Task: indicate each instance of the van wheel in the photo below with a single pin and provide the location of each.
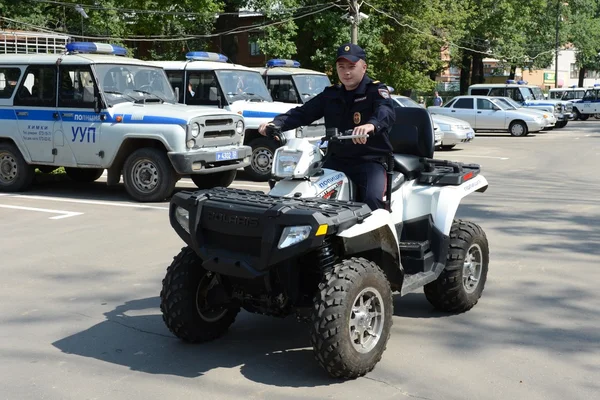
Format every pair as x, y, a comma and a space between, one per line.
518, 128
148, 175
263, 151
15, 174
84, 175
217, 179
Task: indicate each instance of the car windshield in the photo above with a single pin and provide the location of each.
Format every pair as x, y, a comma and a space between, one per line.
243, 85
537, 93
126, 83
310, 85
407, 102
508, 103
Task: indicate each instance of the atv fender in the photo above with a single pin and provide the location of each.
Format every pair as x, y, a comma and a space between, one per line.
440, 201
375, 238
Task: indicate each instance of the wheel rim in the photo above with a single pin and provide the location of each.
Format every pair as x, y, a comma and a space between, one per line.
8, 168
262, 160
207, 312
144, 175
518, 129
366, 320
472, 268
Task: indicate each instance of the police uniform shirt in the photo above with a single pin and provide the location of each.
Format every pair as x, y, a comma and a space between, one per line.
369, 103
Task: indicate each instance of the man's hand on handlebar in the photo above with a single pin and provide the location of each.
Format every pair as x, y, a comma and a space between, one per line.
362, 130
262, 129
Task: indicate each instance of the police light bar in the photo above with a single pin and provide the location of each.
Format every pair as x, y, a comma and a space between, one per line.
278, 62
205, 56
596, 84
521, 82
95, 48
573, 86
511, 81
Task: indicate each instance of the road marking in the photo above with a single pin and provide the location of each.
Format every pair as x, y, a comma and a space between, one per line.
94, 202
63, 214
497, 158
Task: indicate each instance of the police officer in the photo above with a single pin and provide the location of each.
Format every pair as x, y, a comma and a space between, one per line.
358, 103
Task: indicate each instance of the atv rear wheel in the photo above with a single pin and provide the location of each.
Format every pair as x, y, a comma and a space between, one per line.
185, 298
459, 286
351, 318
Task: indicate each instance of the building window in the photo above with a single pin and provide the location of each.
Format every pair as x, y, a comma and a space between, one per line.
574, 71
253, 44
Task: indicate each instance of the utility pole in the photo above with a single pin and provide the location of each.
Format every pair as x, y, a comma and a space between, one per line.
557, 43
355, 18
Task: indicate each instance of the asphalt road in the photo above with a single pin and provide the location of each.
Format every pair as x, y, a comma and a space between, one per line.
82, 266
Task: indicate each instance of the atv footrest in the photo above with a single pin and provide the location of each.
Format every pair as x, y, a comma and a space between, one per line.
414, 249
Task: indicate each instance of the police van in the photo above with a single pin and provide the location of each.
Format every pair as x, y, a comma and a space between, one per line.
573, 94
528, 96
589, 105
92, 108
208, 79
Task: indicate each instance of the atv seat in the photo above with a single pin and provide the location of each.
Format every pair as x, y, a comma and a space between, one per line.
411, 138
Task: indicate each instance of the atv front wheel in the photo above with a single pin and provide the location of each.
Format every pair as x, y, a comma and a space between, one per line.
459, 286
351, 318
185, 300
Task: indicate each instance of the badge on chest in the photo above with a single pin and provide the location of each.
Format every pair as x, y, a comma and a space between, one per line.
356, 118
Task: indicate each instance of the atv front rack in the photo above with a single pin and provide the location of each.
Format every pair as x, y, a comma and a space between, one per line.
443, 172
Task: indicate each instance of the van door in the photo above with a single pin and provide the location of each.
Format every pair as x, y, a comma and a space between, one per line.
36, 113
80, 131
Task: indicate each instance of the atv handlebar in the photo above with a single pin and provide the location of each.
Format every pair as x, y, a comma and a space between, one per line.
334, 134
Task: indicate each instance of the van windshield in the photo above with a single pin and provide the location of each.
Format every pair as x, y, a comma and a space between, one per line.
133, 83
310, 85
243, 85
537, 93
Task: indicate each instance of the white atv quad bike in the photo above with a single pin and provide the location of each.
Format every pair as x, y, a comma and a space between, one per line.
307, 248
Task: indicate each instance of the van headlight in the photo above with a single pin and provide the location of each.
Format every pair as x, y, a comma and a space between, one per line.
195, 131
183, 218
292, 235
239, 127
286, 162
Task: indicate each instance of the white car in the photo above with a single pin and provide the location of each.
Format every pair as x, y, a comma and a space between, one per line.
486, 113
548, 117
449, 131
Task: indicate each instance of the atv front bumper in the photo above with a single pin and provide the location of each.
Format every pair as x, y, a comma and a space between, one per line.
241, 233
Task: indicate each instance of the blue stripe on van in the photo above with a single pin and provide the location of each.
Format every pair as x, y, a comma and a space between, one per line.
84, 116
259, 114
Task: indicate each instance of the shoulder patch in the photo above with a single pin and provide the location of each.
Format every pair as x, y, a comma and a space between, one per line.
376, 81
384, 93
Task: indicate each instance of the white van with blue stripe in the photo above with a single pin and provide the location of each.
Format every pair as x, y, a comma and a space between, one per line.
92, 109
208, 79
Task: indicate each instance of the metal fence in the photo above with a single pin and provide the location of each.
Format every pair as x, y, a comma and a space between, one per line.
15, 42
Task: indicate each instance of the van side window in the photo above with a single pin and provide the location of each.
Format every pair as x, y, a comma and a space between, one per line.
497, 92
38, 87
282, 89
202, 89
9, 77
479, 92
76, 87
176, 81
590, 95
515, 94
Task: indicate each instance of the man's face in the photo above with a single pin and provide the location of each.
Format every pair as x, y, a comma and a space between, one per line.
351, 73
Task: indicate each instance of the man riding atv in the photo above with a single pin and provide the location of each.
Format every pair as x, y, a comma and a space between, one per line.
358, 103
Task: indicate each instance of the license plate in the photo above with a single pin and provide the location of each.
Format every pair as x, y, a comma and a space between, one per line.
227, 155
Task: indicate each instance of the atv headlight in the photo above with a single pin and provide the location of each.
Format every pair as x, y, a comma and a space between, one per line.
183, 218
292, 235
286, 162
195, 131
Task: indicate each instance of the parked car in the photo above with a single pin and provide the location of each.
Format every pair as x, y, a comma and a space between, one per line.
511, 104
451, 130
528, 96
486, 113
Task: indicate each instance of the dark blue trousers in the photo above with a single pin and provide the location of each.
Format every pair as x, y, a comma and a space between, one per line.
368, 176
